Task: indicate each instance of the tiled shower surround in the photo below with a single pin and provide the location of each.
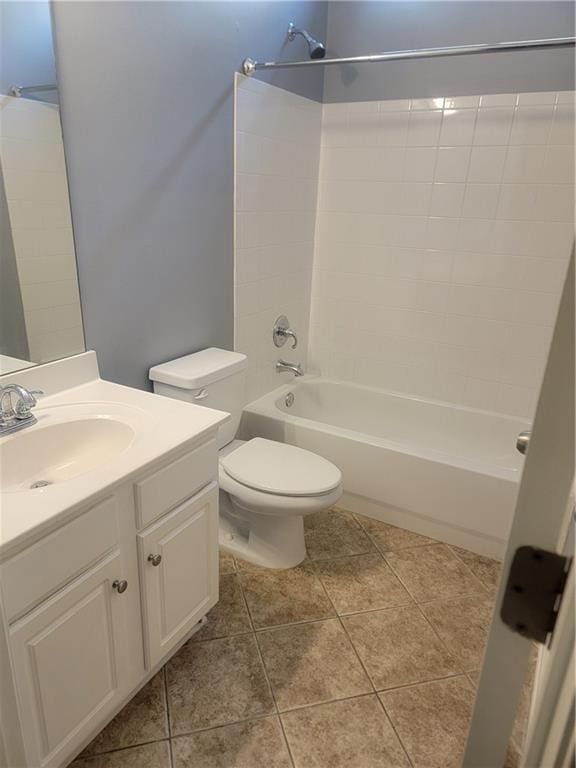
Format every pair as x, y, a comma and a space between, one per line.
443, 232
277, 156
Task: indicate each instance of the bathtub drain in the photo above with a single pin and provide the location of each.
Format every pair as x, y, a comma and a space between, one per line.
40, 484
289, 400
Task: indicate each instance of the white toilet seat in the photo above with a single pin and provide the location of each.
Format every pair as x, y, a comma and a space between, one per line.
270, 504
267, 502
280, 469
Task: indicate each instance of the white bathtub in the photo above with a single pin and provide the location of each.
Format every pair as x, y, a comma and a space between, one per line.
444, 471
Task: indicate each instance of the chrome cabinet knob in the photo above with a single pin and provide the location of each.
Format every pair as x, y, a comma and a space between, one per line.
155, 559
120, 585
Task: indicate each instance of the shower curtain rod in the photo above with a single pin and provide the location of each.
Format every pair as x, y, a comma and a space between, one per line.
249, 66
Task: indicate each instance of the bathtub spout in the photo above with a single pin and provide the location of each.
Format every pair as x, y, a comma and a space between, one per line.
296, 368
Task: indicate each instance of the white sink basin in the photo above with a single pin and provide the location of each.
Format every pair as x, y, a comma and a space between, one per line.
66, 443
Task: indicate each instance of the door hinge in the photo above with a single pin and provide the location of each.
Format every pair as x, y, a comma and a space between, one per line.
534, 592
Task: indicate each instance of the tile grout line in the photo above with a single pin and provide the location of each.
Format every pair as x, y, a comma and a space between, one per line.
417, 683
375, 693
168, 722
400, 741
447, 597
89, 758
245, 601
206, 729
274, 700
348, 636
488, 587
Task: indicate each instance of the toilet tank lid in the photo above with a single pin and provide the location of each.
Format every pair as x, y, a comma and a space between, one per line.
199, 369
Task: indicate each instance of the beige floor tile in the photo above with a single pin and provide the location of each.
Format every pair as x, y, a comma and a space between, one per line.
432, 720
361, 583
389, 537
398, 647
433, 572
285, 597
311, 663
246, 565
229, 616
354, 733
334, 533
484, 568
463, 625
156, 755
226, 562
253, 744
143, 719
215, 683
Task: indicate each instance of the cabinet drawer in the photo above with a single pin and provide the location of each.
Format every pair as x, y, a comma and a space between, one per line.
178, 559
162, 491
49, 564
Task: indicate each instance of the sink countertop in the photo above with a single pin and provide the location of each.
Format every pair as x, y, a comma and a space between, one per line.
163, 425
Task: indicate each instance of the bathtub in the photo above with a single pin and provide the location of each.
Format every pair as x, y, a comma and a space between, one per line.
444, 471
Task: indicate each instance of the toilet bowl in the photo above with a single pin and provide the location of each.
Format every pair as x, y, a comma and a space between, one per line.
266, 487
266, 490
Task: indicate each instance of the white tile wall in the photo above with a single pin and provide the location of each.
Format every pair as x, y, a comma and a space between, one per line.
277, 156
443, 232
33, 167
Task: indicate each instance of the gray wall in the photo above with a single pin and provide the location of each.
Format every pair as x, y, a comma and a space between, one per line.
147, 109
13, 340
360, 27
26, 52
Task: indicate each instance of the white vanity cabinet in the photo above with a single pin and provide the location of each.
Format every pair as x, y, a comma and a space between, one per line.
96, 606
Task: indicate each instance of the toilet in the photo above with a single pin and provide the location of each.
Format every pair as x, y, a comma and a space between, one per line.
266, 487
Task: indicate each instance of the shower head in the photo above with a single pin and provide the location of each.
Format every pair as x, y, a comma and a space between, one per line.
317, 49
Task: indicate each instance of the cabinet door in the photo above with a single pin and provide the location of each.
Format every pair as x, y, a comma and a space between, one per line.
69, 655
179, 572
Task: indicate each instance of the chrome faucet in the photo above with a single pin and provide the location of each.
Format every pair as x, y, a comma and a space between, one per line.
16, 403
295, 368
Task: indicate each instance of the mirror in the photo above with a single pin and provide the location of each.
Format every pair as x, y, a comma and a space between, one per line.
40, 314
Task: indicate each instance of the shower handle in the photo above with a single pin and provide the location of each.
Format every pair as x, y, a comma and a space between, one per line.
282, 331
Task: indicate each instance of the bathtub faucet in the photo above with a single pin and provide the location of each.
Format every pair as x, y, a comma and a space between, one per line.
296, 368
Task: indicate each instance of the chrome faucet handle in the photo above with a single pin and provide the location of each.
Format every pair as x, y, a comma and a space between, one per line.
25, 400
24, 405
282, 331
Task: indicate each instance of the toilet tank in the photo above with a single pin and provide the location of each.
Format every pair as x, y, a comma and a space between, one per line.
212, 377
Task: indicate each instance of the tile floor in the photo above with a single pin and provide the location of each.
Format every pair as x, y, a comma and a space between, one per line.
366, 655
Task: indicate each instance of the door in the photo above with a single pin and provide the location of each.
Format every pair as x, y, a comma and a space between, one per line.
178, 559
550, 739
69, 657
539, 521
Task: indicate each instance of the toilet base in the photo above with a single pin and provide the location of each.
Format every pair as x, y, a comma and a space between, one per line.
270, 541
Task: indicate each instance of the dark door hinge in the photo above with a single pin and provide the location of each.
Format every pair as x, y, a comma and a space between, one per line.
534, 592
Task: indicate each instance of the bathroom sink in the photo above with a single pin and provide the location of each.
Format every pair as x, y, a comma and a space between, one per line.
61, 447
